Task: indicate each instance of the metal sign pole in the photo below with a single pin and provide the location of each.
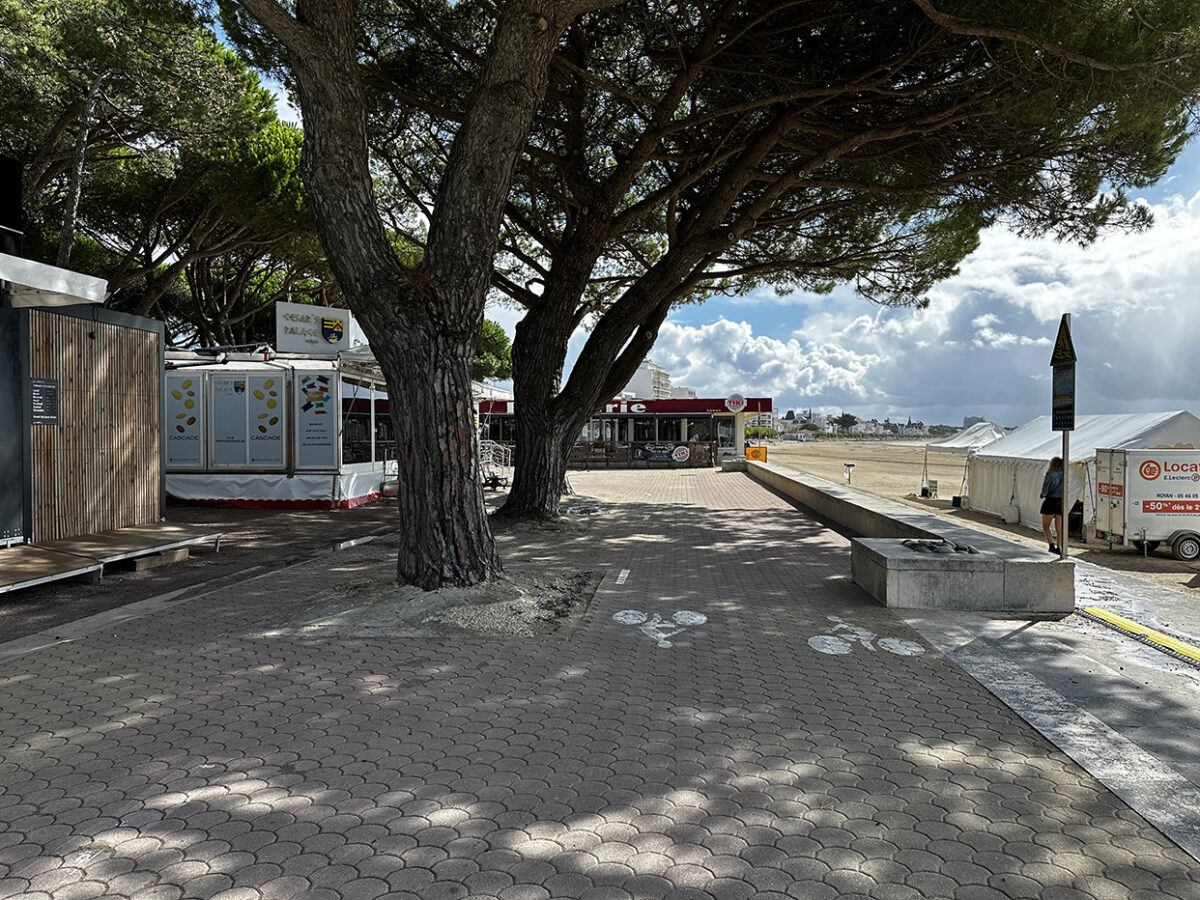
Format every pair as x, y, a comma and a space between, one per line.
1062, 408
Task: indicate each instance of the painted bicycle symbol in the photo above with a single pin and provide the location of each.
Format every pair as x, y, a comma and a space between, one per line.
657, 628
847, 635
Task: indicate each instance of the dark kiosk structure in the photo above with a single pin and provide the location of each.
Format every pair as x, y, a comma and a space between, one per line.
80, 422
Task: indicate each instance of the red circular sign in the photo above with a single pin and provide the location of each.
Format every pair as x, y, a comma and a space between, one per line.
1149, 470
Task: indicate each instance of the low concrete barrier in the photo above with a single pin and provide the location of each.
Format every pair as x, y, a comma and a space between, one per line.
888, 561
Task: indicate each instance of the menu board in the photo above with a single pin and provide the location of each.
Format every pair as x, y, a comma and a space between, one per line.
43, 401
185, 421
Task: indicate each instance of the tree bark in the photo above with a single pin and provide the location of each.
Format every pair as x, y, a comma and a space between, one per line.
446, 539
544, 435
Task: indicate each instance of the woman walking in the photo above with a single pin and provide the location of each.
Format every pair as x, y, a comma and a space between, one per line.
1052, 503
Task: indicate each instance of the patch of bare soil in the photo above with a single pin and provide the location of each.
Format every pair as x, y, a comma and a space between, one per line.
520, 606
525, 602
533, 598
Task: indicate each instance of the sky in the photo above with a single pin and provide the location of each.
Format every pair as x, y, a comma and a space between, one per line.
983, 346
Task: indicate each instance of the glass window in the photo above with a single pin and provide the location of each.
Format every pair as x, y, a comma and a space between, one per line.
724, 430
502, 429
385, 437
356, 438
699, 429
643, 429
669, 429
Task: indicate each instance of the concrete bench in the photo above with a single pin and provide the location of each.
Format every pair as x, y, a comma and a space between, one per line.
917, 574
889, 562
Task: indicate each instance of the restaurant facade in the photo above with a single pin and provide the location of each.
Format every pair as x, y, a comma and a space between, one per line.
631, 433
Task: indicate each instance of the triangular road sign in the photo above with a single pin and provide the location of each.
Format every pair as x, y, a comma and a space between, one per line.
1064, 350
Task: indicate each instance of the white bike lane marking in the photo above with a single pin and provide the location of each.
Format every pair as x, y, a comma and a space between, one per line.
657, 628
846, 635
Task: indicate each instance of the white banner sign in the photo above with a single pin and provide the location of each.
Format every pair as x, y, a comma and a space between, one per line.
185, 421
316, 330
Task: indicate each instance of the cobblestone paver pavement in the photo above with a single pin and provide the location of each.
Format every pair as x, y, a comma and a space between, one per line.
688, 742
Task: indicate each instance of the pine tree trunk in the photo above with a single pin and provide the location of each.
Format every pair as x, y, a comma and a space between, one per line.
422, 324
445, 537
539, 467
544, 435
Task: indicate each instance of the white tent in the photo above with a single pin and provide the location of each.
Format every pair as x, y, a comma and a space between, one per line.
1008, 472
978, 435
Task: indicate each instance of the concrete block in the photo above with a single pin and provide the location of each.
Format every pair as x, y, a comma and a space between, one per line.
1046, 585
165, 558
897, 575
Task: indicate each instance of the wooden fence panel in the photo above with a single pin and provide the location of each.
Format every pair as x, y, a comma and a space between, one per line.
99, 468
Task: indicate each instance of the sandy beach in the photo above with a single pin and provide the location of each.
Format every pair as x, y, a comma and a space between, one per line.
896, 470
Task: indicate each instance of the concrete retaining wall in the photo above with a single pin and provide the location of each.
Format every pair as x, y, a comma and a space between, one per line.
1002, 575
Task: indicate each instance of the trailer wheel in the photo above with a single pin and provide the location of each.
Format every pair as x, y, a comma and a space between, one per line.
1186, 547
1148, 546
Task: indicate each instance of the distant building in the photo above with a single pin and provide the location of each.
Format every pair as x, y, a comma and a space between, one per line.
871, 427
763, 420
683, 393
968, 421
650, 382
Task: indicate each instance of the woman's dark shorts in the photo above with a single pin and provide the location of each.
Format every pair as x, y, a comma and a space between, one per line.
1052, 506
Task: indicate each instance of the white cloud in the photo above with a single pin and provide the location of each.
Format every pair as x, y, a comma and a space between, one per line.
983, 345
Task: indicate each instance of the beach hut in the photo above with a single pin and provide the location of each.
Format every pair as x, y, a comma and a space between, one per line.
1005, 476
969, 439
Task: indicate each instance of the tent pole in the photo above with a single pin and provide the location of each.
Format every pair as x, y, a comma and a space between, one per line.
1062, 538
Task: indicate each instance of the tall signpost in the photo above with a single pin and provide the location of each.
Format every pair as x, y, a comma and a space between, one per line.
1062, 411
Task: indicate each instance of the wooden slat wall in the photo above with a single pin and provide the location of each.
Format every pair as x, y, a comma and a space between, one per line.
99, 467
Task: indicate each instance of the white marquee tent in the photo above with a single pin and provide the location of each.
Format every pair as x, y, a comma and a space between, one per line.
978, 435
1008, 472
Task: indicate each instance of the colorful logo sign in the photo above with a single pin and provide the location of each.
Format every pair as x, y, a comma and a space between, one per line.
1149, 470
735, 403
314, 394
239, 387
332, 329
681, 453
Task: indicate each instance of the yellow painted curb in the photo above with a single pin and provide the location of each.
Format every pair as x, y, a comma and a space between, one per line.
1149, 635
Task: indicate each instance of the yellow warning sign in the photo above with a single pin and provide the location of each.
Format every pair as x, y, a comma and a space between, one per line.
1064, 350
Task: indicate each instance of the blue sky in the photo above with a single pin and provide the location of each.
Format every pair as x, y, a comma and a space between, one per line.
983, 346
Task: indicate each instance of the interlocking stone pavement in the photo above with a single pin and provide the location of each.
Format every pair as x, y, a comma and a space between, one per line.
190, 753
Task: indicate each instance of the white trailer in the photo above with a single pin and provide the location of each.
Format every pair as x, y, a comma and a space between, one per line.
1148, 498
